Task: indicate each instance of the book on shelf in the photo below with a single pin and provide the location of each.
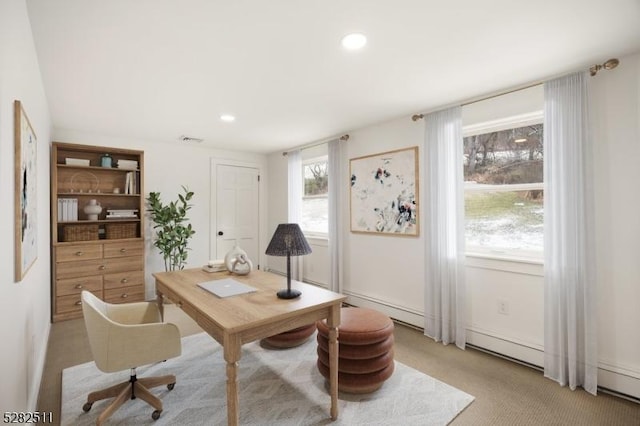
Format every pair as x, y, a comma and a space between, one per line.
67, 209
131, 183
128, 164
122, 214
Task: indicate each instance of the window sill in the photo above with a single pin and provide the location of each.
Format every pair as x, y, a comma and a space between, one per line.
505, 257
505, 263
323, 239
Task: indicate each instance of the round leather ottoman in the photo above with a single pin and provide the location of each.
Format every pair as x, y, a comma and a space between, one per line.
365, 354
291, 338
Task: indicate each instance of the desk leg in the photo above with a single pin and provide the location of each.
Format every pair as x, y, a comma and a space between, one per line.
232, 356
333, 322
160, 303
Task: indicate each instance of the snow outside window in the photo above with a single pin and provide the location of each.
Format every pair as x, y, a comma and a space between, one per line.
504, 208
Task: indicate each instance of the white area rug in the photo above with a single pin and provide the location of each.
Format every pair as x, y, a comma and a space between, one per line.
277, 387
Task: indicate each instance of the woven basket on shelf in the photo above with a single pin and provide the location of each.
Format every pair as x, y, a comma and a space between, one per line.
80, 233
121, 230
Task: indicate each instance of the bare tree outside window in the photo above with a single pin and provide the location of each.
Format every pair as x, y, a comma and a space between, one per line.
315, 202
316, 178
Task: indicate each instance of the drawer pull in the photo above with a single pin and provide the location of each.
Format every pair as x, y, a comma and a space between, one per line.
79, 287
79, 253
102, 267
124, 281
123, 250
79, 303
124, 296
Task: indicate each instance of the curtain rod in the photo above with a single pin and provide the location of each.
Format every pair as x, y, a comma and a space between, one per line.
608, 65
344, 137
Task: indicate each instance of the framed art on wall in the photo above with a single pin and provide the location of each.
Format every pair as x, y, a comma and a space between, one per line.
26, 241
384, 193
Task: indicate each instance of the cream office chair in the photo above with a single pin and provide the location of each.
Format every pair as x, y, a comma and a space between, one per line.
127, 336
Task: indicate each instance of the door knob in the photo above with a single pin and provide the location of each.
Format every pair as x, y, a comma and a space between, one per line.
220, 233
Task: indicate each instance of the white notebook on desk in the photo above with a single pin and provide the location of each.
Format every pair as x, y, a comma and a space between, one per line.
226, 287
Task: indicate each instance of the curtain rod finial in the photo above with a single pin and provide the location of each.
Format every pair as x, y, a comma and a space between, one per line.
416, 117
608, 65
344, 137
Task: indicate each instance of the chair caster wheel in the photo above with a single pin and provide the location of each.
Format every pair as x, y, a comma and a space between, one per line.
87, 406
170, 386
156, 414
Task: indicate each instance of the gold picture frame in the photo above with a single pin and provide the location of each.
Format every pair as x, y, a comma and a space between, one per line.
25, 201
384, 193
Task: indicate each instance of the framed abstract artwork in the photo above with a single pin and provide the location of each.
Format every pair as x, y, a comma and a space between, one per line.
25, 220
384, 193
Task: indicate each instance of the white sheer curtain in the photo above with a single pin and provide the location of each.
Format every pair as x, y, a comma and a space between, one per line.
295, 203
570, 349
336, 222
444, 236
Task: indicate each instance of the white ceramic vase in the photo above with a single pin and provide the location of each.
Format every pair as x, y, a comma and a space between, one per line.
92, 210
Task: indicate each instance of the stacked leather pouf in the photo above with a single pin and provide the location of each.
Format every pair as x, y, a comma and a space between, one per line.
365, 355
291, 338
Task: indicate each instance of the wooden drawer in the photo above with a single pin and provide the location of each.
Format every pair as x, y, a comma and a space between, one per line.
71, 303
124, 294
76, 285
123, 279
123, 264
81, 268
124, 248
77, 252
185, 306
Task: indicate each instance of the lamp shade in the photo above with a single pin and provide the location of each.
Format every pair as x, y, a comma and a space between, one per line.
288, 240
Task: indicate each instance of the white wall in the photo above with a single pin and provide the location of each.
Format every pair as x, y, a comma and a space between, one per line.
386, 268
277, 205
168, 167
24, 306
615, 110
387, 272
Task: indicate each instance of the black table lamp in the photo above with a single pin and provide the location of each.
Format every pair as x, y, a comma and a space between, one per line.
288, 240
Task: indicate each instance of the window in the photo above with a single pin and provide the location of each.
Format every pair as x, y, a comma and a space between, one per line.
315, 199
503, 173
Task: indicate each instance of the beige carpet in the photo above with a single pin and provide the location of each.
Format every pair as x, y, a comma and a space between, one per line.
277, 387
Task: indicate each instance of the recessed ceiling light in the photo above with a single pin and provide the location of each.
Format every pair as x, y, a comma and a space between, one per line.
227, 117
354, 41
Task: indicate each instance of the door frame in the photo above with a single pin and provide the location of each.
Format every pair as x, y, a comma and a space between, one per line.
213, 220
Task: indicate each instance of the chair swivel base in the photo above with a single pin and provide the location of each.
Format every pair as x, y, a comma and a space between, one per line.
132, 389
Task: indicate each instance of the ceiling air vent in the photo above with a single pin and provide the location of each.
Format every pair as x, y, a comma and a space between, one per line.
184, 138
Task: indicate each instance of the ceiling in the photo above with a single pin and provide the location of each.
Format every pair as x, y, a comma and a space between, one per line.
158, 69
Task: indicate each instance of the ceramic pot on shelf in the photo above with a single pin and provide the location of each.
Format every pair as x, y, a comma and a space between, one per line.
92, 210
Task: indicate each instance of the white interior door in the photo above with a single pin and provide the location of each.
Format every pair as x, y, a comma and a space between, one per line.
237, 214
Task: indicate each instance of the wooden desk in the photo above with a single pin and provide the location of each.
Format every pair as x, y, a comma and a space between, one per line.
240, 319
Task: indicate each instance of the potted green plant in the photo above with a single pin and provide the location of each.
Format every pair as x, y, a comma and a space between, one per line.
172, 228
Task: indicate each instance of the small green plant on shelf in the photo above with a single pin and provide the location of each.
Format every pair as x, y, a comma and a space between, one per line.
172, 228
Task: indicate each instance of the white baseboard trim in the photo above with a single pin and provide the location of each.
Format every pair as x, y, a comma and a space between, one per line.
622, 382
400, 313
304, 279
493, 342
275, 271
32, 401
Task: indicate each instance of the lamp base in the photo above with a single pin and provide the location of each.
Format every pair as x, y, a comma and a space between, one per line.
289, 293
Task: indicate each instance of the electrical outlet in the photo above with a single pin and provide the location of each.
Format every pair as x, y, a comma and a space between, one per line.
503, 307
